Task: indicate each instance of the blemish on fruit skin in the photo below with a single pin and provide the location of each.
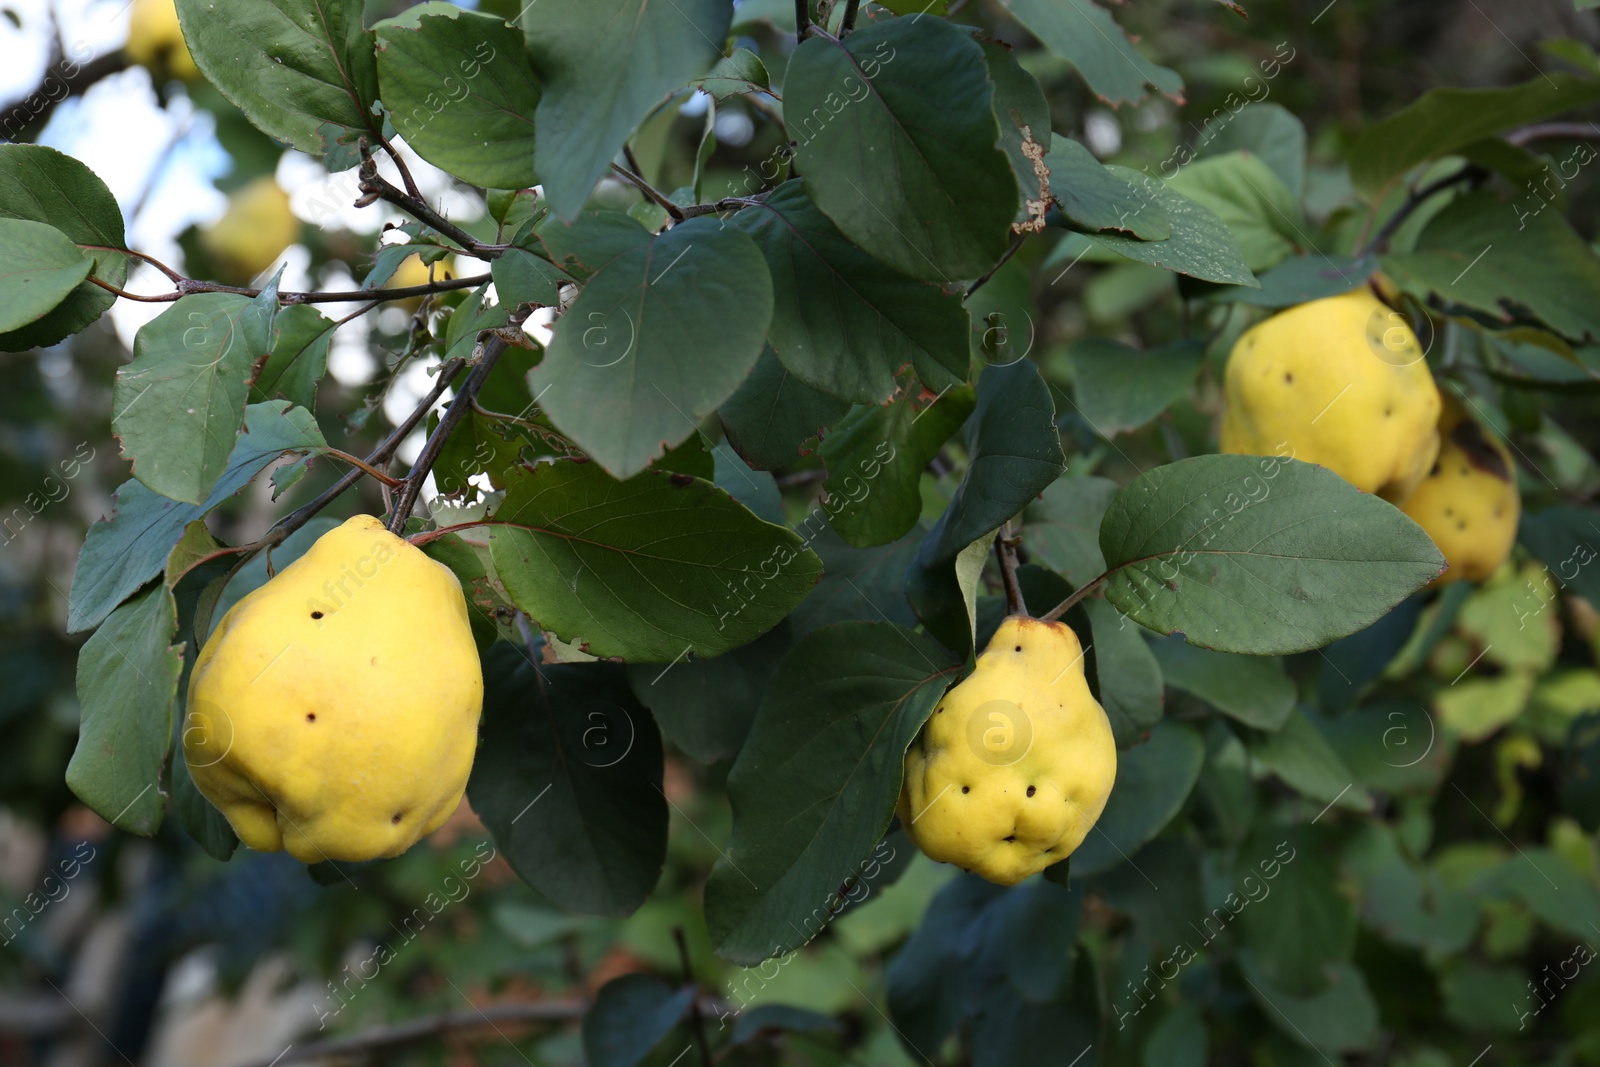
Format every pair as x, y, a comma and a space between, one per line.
1032, 790
316, 614
966, 789
374, 661
311, 716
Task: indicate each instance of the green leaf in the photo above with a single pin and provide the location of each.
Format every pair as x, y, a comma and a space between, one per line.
124, 552
1120, 388
875, 458
40, 184
622, 568
1242, 191
1153, 781
815, 786
1309, 923
127, 681
1479, 253
631, 1015
1014, 453
1200, 245
604, 64
40, 268
298, 359
842, 322
521, 277
772, 414
741, 71
1023, 114
1128, 674
1341, 1018
657, 339
929, 978
1093, 197
568, 780
935, 196
1580, 772
1268, 131
706, 706
861, 584
1085, 35
460, 89
1300, 279
302, 71
585, 245
177, 408
1392, 744
1062, 527
1443, 120
1252, 689
1178, 1040
1307, 763
1258, 555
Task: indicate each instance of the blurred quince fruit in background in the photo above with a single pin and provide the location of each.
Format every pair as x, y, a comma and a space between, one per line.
1016, 762
155, 41
334, 711
254, 231
1342, 382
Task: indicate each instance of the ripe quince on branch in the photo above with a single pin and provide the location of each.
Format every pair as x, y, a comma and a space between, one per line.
1015, 764
255, 229
1468, 503
1342, 382
333, 712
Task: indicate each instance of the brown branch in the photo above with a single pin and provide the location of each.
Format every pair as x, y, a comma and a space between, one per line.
1005, 549
1005, 257
491, 350
651, 192
32, 111
1067, 605
1415, 199
362, 465
376, 187
425, 1027
189, 285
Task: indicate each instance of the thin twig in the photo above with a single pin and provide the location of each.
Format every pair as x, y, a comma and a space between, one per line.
802, 18
697, 1021
851, 7
1005, 257
376, 187
152, 260
424, 1027
362, 465
653, 194
188, 286
1005, 549
1555, 131
1067, 605
492, 348
732, 203
1380, 240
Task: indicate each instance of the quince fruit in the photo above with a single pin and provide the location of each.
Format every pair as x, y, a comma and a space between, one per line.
1342, 382
412, 271
155, 41
1468, 503
334, 711
255, 229
1015, 764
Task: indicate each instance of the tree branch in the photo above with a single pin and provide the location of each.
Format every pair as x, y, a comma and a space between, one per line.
802, 18
1555, 131
1067, 605
1415, 199
186, 286
376, 187
1005, 257
1005, 549
851, 8
490, 353
651, 192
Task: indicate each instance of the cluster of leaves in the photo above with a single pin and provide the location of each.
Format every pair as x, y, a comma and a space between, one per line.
1250, 621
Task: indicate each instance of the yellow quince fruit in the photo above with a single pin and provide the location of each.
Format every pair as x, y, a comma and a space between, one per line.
1342, 382
1015, 764
1468, 503
412, 271
155, 41
255, 229
334, 711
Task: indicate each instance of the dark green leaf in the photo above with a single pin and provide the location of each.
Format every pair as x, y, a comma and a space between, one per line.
779, 1018
1200, 244
1300, 279
1302, 757
1153, 781
520, 277
299, 357
1093, 197
1443, 120
1497, 258
303, 71
935, 196
459, 88
1309, 924
815, 786
568, 779
123, 553
585, 245
1247, 196
861, 584
631, 1016
1580, 772
842, 322
1564, 538
652, 343
741, 71
706, 706
928, 979
1085, 35
604, 64
178, 407
1252, 689
1023, 115
1120, 388
1342, 1018
622, 568
1128, 673
127, 681
1267, 130
1258, 555
1392, 744
773, 414
41, 267
1062, 528
876, 457
40, 184
1178, 1040
756, 490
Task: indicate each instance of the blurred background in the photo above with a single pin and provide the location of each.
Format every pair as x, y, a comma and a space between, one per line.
121, 950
